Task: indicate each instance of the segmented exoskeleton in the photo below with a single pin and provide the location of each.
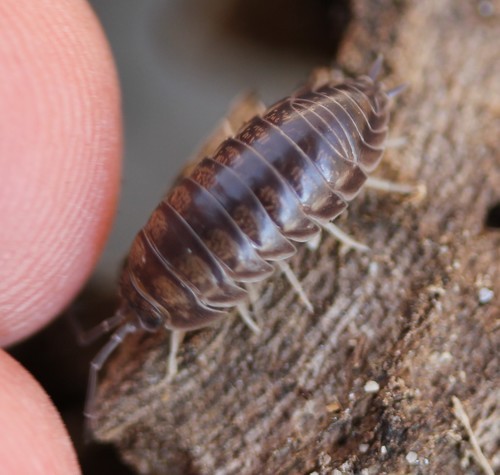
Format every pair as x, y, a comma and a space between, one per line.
282, 176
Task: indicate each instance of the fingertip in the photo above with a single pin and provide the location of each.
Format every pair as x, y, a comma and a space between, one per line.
60, 157
33, 439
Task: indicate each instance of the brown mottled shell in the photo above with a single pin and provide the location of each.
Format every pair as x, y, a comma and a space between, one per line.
282, 175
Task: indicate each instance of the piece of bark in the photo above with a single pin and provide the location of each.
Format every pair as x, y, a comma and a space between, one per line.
412, 315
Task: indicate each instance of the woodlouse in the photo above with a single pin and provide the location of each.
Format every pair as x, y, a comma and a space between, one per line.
285, 174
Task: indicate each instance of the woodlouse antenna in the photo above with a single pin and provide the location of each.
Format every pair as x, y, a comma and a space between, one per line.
376, 67
98, 362
396, 91
87, 337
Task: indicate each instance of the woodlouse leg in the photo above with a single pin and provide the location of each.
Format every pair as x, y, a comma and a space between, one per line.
98, 362
386, 185
294, 282
253, 293
245, 315
243, 108
320, 77
344, 238
176, 337
396, 142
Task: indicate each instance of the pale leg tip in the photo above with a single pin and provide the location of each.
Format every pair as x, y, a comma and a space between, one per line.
176, 337
171, 371
396, 142
420, 192
245, 315
344, 238
416, 192
309, 306
296, 285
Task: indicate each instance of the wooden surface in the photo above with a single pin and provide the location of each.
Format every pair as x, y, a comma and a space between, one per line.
408, 315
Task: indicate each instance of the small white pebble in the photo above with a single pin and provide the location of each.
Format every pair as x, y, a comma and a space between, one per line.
314, 473
383, 450
336, 472
371, 387
412, 458
426, 461
435, 289
445, 357
485, 295
363, 448
373, 268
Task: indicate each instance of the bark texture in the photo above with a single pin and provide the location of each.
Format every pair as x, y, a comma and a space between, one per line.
414, 315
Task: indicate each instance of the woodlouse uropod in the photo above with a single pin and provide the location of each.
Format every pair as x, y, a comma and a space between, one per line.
285, 174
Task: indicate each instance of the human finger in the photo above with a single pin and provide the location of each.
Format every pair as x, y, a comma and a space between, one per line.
60, 150
33, 439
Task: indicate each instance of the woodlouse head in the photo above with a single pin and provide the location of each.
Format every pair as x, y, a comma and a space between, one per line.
138, 308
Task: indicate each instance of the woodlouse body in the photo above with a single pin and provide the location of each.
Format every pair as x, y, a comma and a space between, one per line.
277, 180
285, 174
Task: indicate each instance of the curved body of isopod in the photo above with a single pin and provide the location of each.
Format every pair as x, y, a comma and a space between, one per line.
278, 179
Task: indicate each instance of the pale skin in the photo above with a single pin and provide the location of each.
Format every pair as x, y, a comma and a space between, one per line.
60, 153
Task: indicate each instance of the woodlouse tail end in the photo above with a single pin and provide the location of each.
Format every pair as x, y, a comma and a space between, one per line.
396, 91
376, 67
